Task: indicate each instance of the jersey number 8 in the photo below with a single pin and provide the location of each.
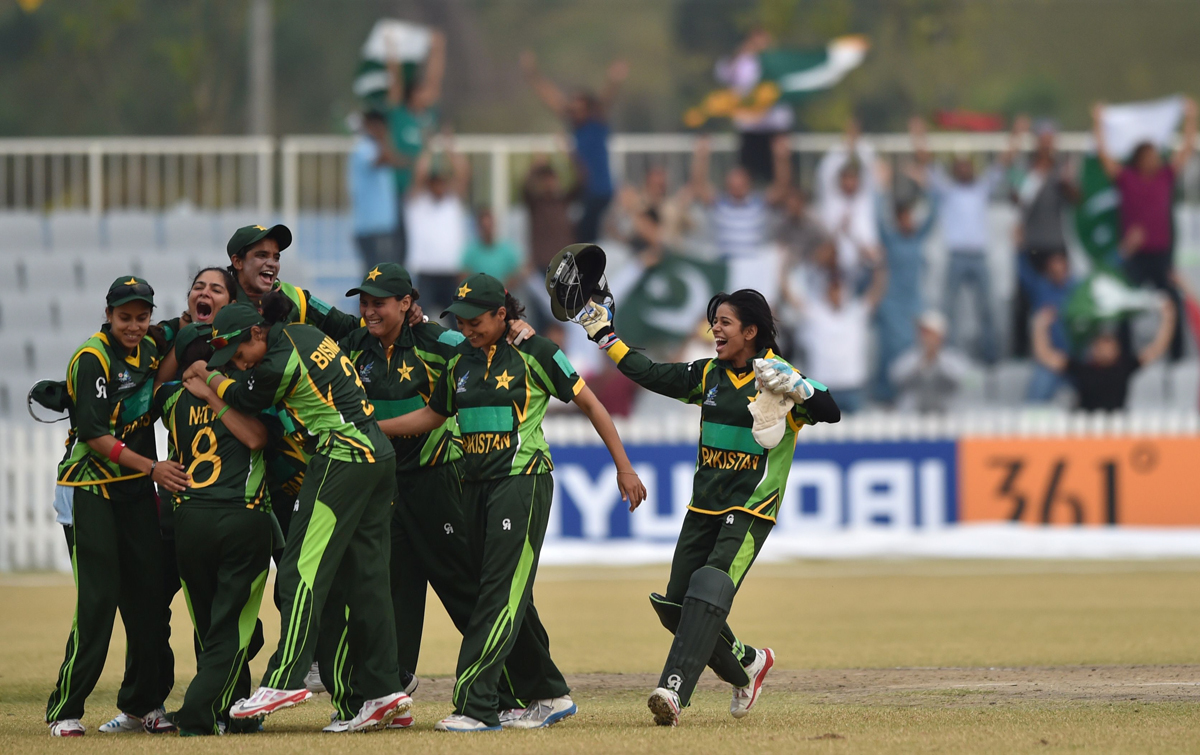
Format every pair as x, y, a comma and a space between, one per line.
209, 455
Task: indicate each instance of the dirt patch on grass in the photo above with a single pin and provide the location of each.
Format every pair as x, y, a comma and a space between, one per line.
938, 687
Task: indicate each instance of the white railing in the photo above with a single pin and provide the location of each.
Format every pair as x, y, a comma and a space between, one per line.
239, 172
29, 455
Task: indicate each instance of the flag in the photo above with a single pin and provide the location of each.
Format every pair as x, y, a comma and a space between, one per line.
1127, 126
1103, 297
1097, 220
409, 43
787, 76
669, 299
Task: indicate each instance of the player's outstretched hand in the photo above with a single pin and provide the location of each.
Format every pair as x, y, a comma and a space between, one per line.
520, 331
172, 476
632, 489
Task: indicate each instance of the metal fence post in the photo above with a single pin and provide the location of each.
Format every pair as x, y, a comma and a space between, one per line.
96, 179
500, 187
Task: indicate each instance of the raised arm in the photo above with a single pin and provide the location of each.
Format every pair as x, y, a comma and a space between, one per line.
631, 487
429, 91
550, 95
616, 74
460, 181
918, 134
1188, 144
698, 181
878, 287
781, 156
1110, 165
1162, 339
1043, 350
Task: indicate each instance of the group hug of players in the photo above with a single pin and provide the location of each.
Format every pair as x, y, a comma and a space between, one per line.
372, 456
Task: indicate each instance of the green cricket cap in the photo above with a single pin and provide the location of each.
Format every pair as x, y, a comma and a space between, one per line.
386, 279
188, 335
252, 234
478, 294
129, 288
230, 328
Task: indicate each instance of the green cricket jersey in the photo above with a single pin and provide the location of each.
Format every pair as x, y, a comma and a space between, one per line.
401, 379
224, 471
732, 470
306, 372
499, 397
112, 392
286, 455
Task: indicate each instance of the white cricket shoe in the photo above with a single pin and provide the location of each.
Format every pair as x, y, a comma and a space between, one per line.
543, 713
156, 722
67, 727
664, 704
266, 701
312, 680
745, 697
336, 725
508, 717
460, 723
122, 724
380, 711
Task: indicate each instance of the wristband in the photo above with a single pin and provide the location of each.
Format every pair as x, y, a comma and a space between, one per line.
208, 380
222, 412
115, 453
153, 464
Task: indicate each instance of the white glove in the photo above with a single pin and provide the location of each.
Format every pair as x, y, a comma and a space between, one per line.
770, 411
779, 377
597, 321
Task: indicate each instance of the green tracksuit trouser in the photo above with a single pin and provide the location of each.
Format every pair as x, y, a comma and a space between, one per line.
115, 556
224, 555
431, 547
728, 542
509, 518
341, 533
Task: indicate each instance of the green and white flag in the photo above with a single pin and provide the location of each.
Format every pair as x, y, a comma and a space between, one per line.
1103, 297
408, 43
669, 300
1097, 222
799, 74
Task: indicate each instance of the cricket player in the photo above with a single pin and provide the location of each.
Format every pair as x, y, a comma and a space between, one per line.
223, 536
498, 394
341, 528
736, 491
105, 501
398, 364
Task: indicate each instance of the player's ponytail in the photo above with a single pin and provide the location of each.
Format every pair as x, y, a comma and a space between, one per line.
276, 307
513, 309
751, 308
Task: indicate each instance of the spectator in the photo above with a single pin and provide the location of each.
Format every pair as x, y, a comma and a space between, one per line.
586, 114
634, 202
437, 227
836, 331
904, 251
804, 240
1147, 189
740, 216
373, 192
1101, 380
410, 119
756, 132
1048, 290
549, 206
498, 258
928, 374
846, 207
1043, 191
963, 220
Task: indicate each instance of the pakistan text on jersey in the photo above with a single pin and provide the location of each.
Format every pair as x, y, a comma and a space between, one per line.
735, 460
482, 443
145, 420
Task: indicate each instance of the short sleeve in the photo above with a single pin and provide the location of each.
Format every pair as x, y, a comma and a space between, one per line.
89, 389
557, 375
444, 392
162, 397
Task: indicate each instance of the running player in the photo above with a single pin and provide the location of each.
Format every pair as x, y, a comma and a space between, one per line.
398, 364
340, 530
105, 500
223, 533
498, 394
735, 494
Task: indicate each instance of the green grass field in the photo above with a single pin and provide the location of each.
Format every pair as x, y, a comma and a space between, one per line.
873, 656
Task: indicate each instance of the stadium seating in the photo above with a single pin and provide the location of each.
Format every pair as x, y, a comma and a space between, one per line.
77, 232
132, 233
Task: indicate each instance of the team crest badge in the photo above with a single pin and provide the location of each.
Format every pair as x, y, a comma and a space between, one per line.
711, 398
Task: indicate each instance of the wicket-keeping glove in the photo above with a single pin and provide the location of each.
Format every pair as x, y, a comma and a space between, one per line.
597, 321
777, 376
770, 412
